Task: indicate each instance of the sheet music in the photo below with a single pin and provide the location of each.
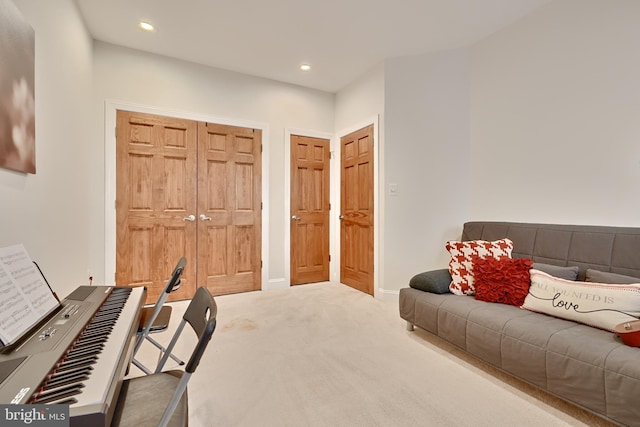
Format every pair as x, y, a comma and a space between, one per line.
25, 298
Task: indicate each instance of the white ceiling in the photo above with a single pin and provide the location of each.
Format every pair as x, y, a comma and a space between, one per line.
341, 39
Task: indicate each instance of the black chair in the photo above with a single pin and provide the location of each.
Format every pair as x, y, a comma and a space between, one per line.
156, 318
160, 399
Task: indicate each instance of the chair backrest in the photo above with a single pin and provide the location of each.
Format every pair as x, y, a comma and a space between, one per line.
201, 316
172, 284
174, 280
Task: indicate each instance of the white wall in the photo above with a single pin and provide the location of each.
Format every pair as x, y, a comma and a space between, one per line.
48, 211
361, 100
555, 108
134, 77
426, 156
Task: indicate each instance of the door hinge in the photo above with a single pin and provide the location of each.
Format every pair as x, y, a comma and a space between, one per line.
329, 258
115, 131
329, 206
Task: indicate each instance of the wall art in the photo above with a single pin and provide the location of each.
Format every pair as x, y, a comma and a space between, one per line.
17, 99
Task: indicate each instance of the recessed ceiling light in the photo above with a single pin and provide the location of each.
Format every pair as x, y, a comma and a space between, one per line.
145, 26
305, 67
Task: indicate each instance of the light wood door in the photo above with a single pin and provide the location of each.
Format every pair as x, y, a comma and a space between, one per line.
310, 207
356, 210
155, 191
229, 208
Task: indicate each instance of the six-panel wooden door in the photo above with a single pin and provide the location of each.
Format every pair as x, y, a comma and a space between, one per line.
356, 210
309, 216
155, 191
229, 208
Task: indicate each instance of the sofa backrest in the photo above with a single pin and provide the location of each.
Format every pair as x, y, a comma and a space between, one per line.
610, 249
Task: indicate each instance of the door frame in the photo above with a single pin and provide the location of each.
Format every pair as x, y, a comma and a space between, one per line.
111, 106
334, 198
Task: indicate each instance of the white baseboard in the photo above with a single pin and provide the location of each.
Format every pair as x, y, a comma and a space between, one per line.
388, 295
274, 284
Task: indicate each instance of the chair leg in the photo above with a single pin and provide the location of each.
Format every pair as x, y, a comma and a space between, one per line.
163, 349
141, 366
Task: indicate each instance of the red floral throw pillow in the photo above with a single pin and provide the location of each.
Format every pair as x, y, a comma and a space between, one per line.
504, 280
460, 266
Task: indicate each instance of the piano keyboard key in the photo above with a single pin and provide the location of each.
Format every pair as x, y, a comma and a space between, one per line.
51, 395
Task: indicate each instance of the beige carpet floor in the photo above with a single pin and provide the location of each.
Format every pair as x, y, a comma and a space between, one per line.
327, 355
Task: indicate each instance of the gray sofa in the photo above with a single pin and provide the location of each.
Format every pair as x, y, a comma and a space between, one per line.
589, 367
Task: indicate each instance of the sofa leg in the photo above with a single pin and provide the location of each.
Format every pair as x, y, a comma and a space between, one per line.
409, 326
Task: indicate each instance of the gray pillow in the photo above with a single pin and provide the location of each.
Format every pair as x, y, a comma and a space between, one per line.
434, 281
609, 278
567, 273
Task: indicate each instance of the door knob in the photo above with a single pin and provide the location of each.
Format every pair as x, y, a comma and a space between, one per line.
341, 217
296, 218
203, 217
189, 218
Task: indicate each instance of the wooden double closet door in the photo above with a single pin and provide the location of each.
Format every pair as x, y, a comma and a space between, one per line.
192, 189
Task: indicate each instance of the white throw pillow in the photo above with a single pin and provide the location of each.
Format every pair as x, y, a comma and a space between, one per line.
595, 304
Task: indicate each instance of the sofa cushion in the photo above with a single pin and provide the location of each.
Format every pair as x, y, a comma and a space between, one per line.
613, 278
569, 273
460, 264
485, 329
595, 304
524, 345
622, 376
576, 360
434, 281
453, 313
503, 280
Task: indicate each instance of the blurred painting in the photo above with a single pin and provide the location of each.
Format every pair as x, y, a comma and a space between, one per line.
17, 102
